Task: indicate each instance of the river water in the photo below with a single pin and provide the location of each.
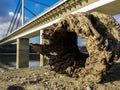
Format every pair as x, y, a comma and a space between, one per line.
10, 59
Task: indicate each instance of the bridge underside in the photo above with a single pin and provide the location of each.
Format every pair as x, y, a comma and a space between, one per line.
111, 8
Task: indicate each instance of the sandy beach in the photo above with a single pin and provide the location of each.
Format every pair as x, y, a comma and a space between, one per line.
42, 78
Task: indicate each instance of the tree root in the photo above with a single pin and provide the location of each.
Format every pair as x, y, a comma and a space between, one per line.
102, 35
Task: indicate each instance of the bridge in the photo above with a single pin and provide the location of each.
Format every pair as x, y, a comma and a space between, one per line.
52, 15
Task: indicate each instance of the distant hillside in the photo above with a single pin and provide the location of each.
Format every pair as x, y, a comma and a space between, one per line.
11, 48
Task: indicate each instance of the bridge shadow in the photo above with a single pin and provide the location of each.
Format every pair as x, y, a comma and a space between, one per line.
113, 74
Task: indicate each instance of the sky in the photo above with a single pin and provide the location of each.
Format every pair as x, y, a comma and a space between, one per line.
7, 8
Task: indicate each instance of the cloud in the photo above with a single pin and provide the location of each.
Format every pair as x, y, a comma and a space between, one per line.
11, 14
3, 29
5, 15
5, 22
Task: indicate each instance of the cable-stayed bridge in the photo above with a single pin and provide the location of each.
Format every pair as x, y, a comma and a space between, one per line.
34, 27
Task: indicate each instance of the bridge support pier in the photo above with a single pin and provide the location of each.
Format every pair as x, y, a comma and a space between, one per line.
22, 56
42, 60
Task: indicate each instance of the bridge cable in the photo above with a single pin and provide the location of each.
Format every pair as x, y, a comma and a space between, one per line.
13, 17
40, 3
16, 16
17, 10
30, 11
17, 25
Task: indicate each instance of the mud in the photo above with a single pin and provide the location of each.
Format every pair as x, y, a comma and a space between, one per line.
102, 35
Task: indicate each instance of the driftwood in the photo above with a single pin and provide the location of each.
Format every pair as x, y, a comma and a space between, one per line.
102, 35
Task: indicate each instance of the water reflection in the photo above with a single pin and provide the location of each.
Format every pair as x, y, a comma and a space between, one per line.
31, 64
8, 60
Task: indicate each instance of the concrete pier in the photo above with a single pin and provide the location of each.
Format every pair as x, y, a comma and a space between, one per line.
22, 53
42, 61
